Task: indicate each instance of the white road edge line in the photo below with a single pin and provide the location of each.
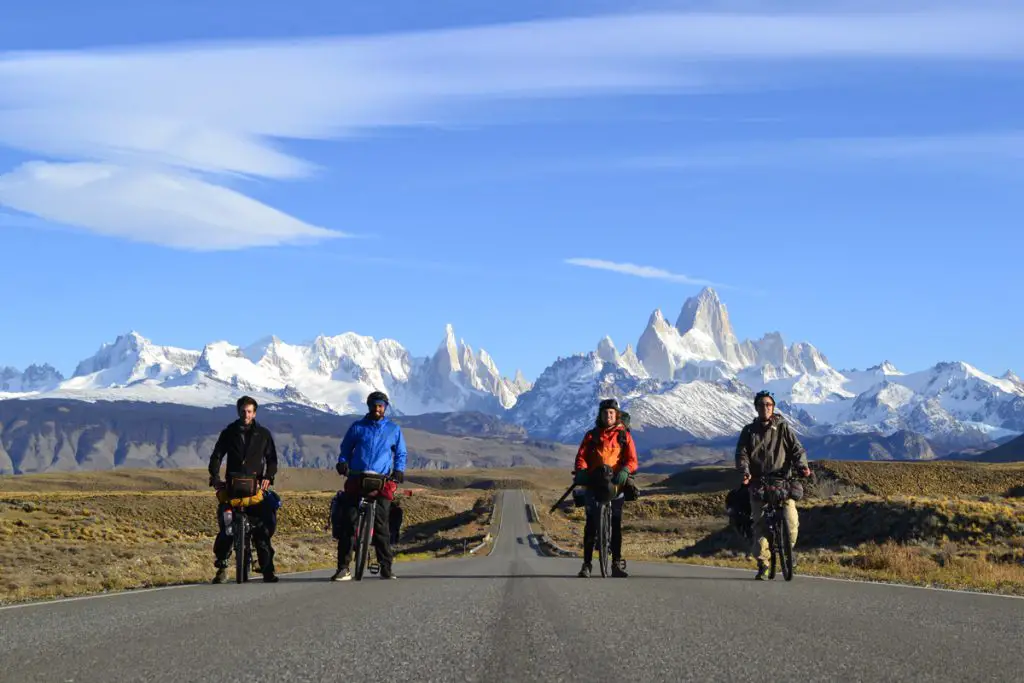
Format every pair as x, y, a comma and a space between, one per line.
136, 591
863, 582
501, 520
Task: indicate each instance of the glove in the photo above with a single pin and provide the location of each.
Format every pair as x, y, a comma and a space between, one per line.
581, 477
398, 476
342, 468
621, 476
214, 480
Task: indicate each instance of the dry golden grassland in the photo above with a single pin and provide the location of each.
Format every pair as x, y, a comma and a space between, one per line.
955, 525
73, 534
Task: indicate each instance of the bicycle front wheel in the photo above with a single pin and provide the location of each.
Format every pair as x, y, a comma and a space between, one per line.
785, 550
241, 566
363, 541
605, 540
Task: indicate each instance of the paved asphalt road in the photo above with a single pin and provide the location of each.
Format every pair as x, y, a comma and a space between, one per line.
517, 616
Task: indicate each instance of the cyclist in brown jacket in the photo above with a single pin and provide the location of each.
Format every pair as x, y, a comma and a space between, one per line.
768, 446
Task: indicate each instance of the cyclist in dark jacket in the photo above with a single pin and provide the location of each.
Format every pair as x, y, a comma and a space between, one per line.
372, 445
250, 451
768, 446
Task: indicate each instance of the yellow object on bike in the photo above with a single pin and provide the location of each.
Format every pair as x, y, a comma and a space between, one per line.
223, 497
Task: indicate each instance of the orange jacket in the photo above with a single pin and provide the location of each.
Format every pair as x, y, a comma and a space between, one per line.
605, 450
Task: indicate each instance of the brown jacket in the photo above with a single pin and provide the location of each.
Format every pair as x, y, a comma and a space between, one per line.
768, 449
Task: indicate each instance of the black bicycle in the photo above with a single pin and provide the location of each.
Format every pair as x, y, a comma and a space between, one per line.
773, 494
604, 490
240, 529
372, 486
604, 538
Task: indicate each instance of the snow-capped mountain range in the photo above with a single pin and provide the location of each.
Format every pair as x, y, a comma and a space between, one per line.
694, 376
332, 374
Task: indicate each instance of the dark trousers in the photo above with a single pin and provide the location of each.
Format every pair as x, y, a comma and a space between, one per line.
396, 529
224, 544
593, 522
381, 533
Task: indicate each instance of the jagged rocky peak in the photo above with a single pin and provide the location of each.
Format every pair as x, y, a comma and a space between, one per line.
804, 357
771, 349
35, 378
886, 368
606, 351
656, 347
707, 313
112, 353
38, 376
446, 359
131, 357
520, 384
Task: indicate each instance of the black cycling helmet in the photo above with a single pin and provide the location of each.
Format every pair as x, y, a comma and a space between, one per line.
377, 396
244, 401
764, 393
608, 403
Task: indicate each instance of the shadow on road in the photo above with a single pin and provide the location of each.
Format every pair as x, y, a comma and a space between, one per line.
427, 577
421, 577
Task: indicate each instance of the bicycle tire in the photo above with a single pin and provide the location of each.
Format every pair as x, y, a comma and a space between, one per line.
786, 551
772, 531
604, 538
240, 564
363, 541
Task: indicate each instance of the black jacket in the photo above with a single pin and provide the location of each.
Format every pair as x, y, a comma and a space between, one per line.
253, 454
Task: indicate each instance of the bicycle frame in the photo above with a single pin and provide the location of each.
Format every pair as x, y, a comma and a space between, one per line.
775, 525
242, 542
365, 532
603, 497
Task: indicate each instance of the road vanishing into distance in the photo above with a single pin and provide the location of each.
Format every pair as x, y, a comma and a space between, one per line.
516, 615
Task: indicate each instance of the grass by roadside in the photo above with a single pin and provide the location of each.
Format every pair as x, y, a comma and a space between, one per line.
56, 544
956, 525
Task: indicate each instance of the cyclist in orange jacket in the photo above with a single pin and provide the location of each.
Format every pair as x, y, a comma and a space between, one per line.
608, 446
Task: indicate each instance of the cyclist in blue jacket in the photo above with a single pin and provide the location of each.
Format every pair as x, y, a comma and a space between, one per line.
372, 445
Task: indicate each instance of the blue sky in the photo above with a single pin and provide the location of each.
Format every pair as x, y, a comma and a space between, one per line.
849, 174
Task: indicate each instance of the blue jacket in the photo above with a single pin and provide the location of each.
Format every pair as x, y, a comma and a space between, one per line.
376, 446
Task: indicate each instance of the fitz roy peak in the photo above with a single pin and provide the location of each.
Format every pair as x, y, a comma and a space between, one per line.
698, 378
694, 379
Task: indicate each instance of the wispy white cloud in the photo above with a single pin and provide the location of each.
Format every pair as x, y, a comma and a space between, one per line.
956, 149
195, 112
641, 271
150, 206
